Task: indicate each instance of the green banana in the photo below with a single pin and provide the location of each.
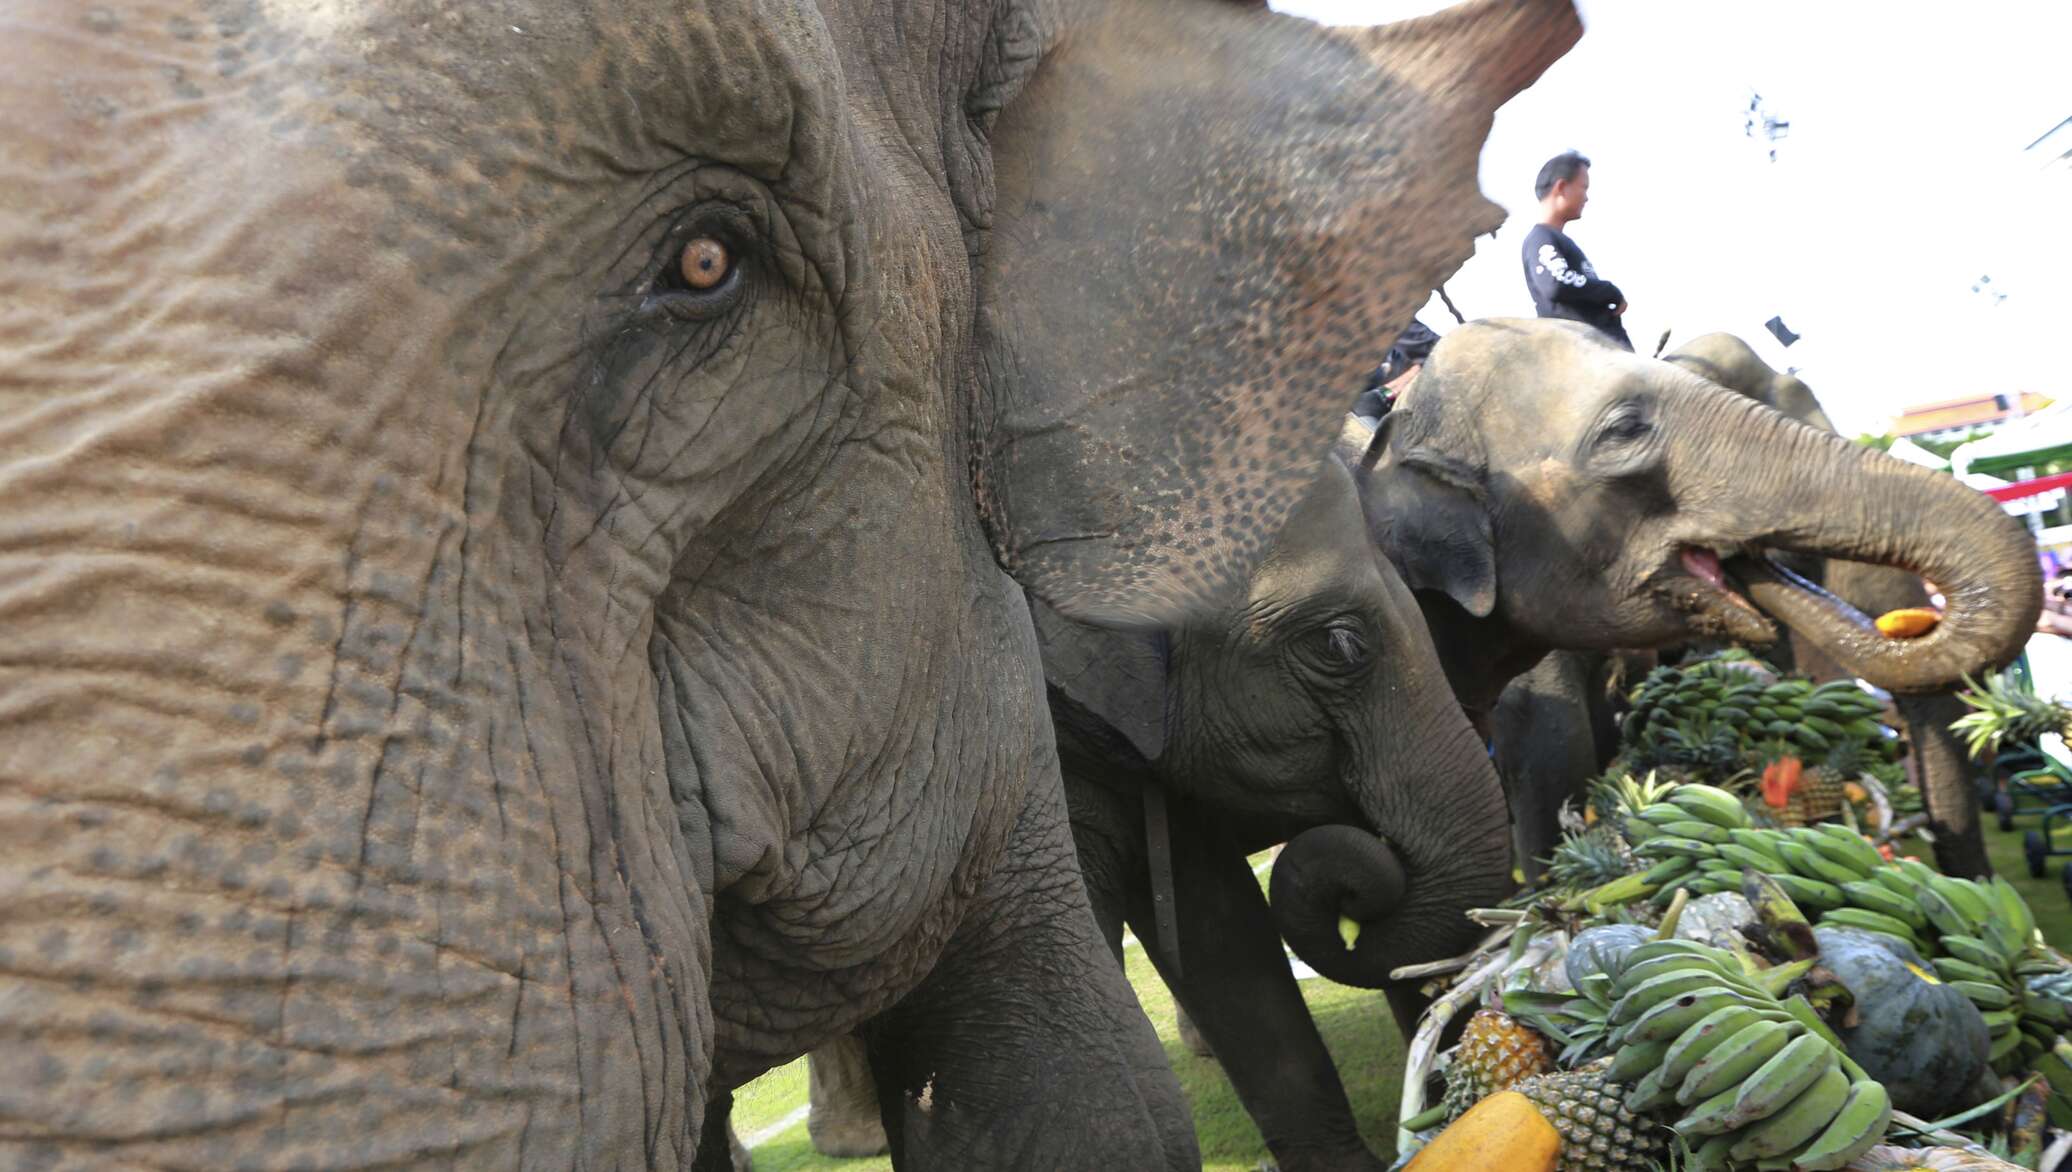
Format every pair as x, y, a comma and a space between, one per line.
1823, 725
1942, 913
1696, 830
1651, 1093
1712, 1155
1672, 1017
1714, 1116
2005, 936
1877, 898
1734, 1060
1662, 813
1812, 738
2014, 909
1895, 881
1658, 948
1777, 1083
1967, 897
1844, 845
1711, 804
1695, 1043
1856, 1128
1762, 842
1799, 1121
1814, 865
1654, 990
1984, 994
1949, 968
2005, 1044
1633, 1062
1668, 870
1635, 975
1742, 856
1719, 866
1664, 844
1870, 921
1973, 950
2000, 1021
1810, 893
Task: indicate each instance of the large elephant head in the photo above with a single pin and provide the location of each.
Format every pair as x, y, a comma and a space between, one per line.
493, 489
1312, 708
1584, 497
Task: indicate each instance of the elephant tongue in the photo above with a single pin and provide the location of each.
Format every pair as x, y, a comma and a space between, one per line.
1703, 564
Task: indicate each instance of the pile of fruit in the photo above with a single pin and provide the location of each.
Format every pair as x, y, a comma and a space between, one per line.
1730, 717
1799, 992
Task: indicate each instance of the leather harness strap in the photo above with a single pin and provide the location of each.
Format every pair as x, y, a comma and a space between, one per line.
1158, 853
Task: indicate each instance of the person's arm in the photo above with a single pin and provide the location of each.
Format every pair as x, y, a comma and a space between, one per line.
1557, 274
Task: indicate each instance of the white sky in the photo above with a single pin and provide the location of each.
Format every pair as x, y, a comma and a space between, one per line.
1902, 181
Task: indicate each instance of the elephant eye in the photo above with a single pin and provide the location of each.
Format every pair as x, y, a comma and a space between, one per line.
1628, 426
1340, 647
705, 263
699, 271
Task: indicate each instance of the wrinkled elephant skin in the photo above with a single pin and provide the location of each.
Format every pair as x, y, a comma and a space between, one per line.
504, 516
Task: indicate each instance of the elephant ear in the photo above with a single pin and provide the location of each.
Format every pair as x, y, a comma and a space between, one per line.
1117, 676
1430, 515
1190, 267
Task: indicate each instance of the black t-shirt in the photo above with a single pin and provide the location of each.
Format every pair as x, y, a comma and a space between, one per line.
1564, 284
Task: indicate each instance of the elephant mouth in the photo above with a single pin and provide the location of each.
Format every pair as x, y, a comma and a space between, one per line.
1698, 584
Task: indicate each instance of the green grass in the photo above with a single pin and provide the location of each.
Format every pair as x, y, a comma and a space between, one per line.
1356, 1024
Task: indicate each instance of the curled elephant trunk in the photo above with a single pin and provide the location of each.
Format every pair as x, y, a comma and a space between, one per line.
1356, 905
1863, 506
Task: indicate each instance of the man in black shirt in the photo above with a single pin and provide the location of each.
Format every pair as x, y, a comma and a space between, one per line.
1562, 282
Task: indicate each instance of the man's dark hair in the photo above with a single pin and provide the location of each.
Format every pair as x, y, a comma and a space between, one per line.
1555, 170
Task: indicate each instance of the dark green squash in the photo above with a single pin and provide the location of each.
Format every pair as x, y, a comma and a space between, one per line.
1924, 1040
1603, 949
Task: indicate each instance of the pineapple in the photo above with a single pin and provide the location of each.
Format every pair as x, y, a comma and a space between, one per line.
1598, 1133
1496, 1052
1596, 856
2004, 711
1821, 786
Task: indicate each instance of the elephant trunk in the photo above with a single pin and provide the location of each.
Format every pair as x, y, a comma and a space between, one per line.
1864, 506
1443, 846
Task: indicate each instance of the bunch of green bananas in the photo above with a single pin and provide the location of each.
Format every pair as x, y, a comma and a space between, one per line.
1681, 707
1684, 821
1980, 937
1752, 1079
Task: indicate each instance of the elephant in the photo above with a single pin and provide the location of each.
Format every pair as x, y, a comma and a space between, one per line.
1313, 704
1939, 762
1541, 489
520, 522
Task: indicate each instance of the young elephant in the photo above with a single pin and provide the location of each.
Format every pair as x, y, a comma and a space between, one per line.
1315, 704
1541, 489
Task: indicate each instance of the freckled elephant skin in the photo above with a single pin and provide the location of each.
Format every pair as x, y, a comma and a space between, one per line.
473, 695
1537, 488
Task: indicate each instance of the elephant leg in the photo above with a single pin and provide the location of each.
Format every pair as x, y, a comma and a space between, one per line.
719, 1149
1025, 1048
1546, 749
1943, 771
843, 1100
1108, 838
1235, 982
